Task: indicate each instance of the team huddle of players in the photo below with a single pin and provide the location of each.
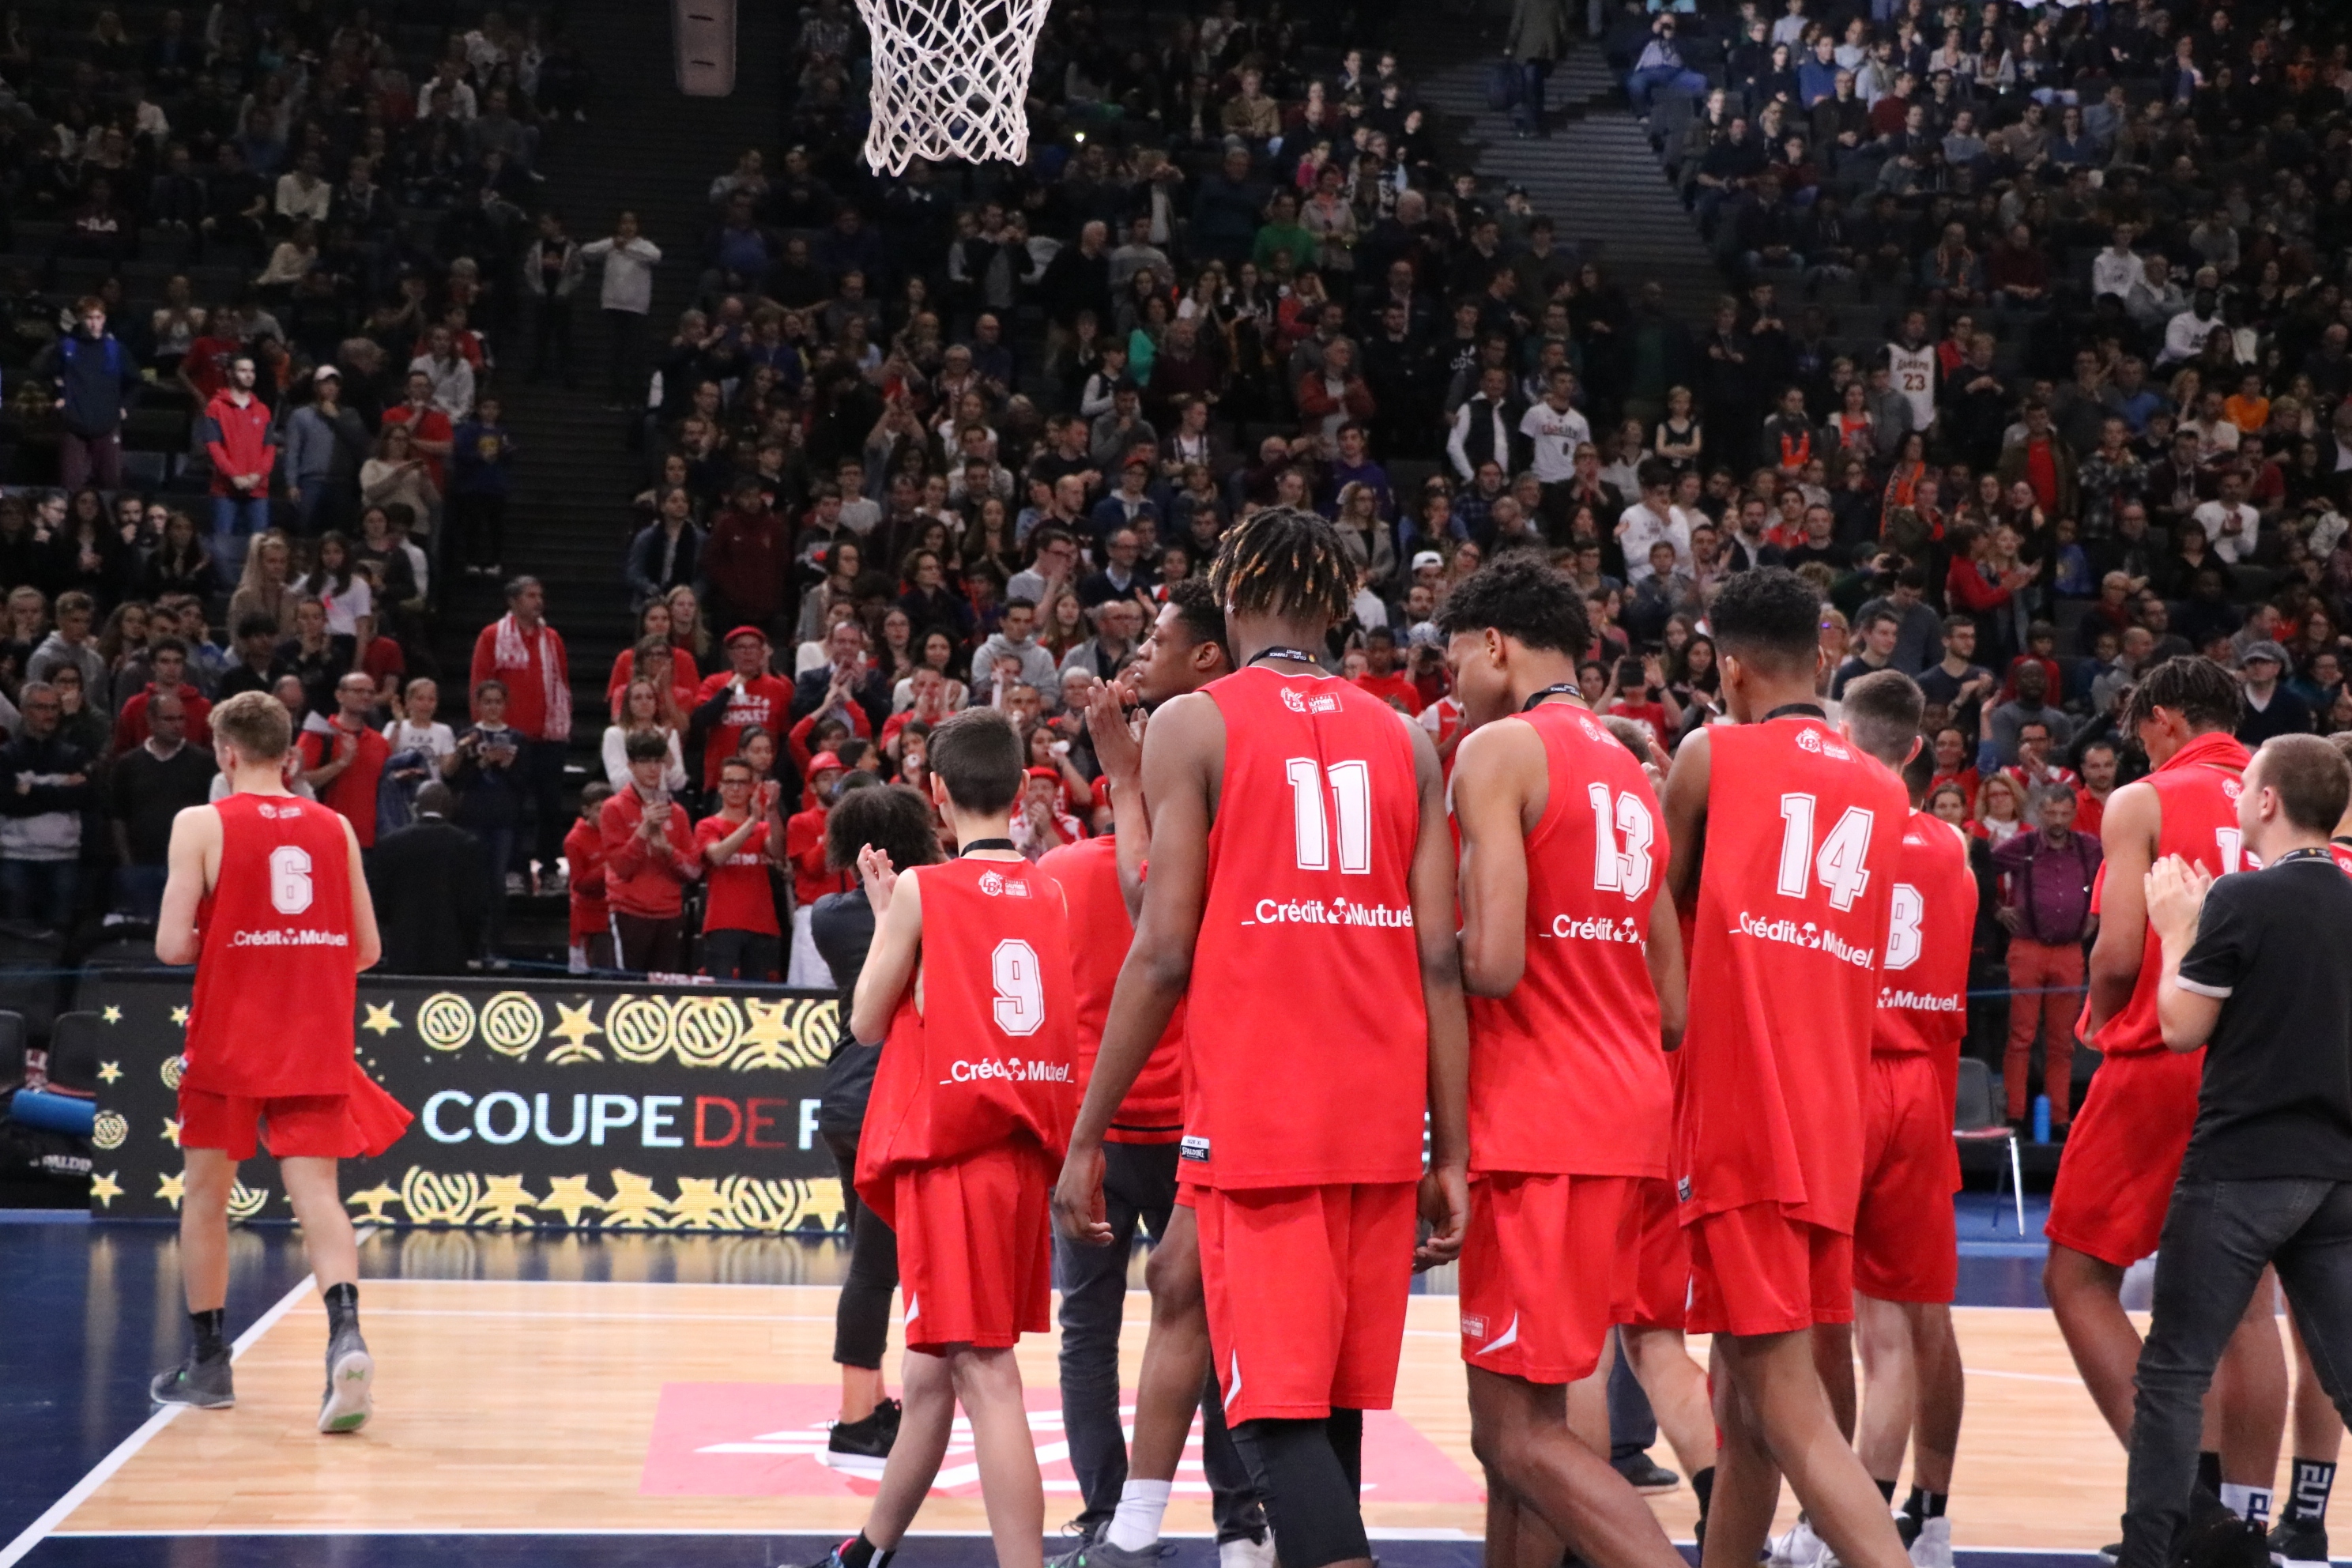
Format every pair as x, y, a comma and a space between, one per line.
1337, 946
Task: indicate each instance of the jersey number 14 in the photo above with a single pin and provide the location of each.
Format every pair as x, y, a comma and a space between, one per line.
1841, 861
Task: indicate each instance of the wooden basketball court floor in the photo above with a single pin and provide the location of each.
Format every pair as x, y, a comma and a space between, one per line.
663, 1399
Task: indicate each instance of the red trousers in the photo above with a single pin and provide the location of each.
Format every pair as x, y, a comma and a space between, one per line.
2047, 980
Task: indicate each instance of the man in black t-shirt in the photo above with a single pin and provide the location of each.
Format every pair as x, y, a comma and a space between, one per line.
151, 785
2253, 971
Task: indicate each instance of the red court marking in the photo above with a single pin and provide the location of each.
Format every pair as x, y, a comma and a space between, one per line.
767, 1439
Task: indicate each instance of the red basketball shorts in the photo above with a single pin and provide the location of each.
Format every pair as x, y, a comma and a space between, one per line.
1652, 1238
2122, 1155
1905, 1248
1543, 1272
299, 1126
1754, 1270
1305, 1290
976, 1248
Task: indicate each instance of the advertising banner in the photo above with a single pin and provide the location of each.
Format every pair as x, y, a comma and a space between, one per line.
567, 1105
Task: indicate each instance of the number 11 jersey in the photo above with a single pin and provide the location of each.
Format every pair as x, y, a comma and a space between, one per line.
276, 973
1787, 950
1306, 1036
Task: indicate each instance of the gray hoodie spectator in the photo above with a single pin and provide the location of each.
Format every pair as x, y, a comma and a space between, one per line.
1018, 639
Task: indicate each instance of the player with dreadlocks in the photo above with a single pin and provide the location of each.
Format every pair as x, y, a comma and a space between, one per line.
1301, 904
2124, 1152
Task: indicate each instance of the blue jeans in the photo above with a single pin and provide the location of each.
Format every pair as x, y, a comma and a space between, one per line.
1641, 84
2217, 1237
497, 852
237, 519
139, 890
1529, 113
45, 893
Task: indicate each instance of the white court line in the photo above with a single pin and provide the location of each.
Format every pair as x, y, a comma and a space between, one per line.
1399, 1533
33, 1534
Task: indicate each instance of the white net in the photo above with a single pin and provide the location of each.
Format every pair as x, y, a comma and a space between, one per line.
950, 77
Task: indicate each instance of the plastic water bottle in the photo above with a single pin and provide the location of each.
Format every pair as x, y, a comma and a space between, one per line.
2042, 1118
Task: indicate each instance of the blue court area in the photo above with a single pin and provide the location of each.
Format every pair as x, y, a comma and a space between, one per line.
92, 1310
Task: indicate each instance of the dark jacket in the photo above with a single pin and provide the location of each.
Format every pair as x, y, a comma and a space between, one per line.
430, 896
843, 927
95, 376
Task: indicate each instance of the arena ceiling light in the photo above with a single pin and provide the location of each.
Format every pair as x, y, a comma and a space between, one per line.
703, 35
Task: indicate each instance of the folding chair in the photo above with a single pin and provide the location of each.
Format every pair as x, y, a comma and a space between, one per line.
1973, 1122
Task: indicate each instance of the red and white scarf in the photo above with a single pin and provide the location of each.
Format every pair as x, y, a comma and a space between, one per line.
514, 652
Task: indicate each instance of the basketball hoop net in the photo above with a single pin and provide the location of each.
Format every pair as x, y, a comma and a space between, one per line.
950, 77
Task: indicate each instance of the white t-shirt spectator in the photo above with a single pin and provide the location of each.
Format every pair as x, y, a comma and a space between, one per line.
1556, 434
345, 606
434, 740
2214, 518
1638, 527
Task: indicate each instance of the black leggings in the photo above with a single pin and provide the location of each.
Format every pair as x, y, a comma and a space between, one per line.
861, 1317
1311, 1474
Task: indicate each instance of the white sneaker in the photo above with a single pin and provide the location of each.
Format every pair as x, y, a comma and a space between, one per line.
1246, 1553
1933, 1549
1800, 1548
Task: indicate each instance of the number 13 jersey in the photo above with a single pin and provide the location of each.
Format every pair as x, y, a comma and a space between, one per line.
277, 975
1306, 1037
1788, 947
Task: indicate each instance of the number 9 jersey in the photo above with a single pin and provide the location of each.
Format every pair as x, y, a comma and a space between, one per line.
1306, 1035
276, 968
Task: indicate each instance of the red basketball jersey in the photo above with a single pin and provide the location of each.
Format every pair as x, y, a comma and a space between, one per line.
1580, 1028
991, 1054
2197, 789
1923, 996
1153, 1110
276, 973
1802, 833
1306, 1037
2341, 848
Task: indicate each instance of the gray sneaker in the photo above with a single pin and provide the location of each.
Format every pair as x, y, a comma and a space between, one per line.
351, 1384
1103, 1555
207, 1384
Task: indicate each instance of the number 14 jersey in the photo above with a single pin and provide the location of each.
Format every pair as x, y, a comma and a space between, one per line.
1787, 950
1306, 1035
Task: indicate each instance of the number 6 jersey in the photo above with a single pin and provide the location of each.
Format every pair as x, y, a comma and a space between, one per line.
1786, 951
276, 973
992, 1053
1306, 1036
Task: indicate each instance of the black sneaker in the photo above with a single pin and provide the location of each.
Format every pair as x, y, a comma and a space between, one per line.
205, 1384
2217, 1538
2112, 1553
1645, 1475
862, 1446
2299, 1543
350, 1399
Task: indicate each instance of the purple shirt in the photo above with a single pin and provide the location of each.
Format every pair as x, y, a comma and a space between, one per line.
2050, 884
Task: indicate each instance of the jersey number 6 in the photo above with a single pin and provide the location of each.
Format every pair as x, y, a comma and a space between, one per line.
289, 878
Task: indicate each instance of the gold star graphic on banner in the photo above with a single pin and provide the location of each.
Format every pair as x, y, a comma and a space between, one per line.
180, 1016
572, 1027
171, 1188
107, 1072
370, 1202
503, 1200
634, 1205
172, 1132
570, 1196
105, 1188
699, 1207
380, 1018
112, 1014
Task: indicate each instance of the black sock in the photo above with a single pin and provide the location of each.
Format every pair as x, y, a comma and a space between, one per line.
2209, 1470
2307, 1497
860, 1553
208, 1328
1347, 1430
1886, 1488
1703, 1483
342, 1308
1924, 1505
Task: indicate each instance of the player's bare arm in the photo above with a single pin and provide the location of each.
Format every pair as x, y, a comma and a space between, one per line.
1667, 975
1445, 1190
2175, 895
2127, 836
1183, 756
1119, 747
192, 861
1494, 769
367, 940
1686, 806
897, 947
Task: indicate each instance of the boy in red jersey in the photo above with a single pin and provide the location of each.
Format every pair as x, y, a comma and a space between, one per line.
1301, 905
1126, 1486
1782, 838
1573, 963
2123, 1154
741, 937
1905, 1248
583, 858
968, 979
286, 927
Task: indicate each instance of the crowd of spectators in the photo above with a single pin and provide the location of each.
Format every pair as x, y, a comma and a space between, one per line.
958, 437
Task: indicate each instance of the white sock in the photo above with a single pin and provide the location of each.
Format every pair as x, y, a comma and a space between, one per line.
1136, 1525
2251, 1504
